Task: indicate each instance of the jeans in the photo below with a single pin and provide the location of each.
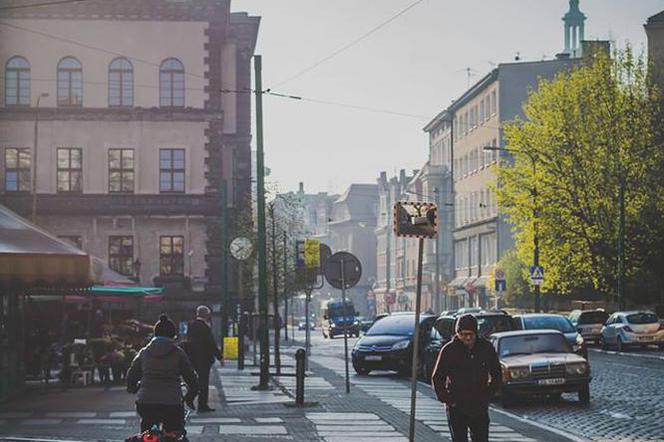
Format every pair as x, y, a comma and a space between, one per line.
172, 416
460, 422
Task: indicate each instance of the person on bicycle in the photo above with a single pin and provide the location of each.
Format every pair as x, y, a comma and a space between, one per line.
155, 375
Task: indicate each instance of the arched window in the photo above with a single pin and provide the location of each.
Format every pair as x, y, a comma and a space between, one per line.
70, 82
17, 82
171, 83
120, 83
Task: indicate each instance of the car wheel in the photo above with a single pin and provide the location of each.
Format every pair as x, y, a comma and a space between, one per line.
619, 344
603, 344
584, 395
362, 371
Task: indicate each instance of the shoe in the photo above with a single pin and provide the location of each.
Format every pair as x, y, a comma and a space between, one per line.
205, 409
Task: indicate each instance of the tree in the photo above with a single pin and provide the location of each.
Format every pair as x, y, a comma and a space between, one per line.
516, 274
587, 131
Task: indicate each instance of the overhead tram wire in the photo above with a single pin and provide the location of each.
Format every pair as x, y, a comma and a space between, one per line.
36, 5
348, 45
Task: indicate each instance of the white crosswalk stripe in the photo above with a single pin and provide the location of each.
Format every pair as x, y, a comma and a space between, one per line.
237, 389
360, 427
428, 410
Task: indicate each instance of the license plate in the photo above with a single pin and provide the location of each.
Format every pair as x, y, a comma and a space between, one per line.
373, 358
555, 381
646, 338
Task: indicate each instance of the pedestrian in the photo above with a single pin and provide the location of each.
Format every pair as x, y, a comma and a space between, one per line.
202, 351
466, 376
155, 375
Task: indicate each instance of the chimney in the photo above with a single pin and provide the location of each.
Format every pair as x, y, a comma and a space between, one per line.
301, 187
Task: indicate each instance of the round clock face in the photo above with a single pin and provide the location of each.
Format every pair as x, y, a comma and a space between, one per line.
241, 248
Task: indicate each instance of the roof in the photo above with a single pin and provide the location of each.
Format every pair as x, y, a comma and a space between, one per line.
356, 199
526, 333
530, 315
657, 18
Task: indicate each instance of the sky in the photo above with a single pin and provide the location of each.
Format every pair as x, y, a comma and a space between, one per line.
406, 72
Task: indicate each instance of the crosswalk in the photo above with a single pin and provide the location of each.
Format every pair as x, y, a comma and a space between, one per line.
357, 427
236, 387
428, 410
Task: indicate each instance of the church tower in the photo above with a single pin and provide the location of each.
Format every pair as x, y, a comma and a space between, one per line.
574, 30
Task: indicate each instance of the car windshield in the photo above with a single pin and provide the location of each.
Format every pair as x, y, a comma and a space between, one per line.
494, 324
530, 344
559, 323
400, 325
642, 318
593, 318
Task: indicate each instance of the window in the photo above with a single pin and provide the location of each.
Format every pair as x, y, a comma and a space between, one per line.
493, 102
70, 176
121, 170
473, 251
17, 170
70, 82
487, 107
171, 170
17, 82
121, 254
171, 255
120, 83
466, 125
482, 111
74, 240
171, 83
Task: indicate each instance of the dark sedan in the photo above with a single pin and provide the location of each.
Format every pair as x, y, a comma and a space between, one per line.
545, 321
388, 344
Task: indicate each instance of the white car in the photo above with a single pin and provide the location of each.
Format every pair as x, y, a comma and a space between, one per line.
632, 328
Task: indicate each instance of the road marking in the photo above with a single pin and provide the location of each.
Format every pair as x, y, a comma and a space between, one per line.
71, 414
636, 355
123, 414
333, 427
15, 414
41, 422
216, 420
102, 421
569, 436
251, 429
269, 420
195, 429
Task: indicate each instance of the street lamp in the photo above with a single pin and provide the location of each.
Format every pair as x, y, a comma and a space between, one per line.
34, 160
536, 252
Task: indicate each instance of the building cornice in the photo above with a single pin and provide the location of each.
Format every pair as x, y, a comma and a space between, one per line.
109, 114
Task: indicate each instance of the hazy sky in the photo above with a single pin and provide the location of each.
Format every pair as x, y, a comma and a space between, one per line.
414, 65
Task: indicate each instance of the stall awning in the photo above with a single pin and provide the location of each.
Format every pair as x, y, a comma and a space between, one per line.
480, 282
458, 281
29, 256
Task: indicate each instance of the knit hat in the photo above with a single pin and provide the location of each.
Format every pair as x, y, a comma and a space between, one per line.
164, 327
466, 322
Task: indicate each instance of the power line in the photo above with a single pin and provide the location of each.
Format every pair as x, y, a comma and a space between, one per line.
348, 45
36, 5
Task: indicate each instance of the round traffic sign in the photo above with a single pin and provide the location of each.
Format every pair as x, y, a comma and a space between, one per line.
343, 270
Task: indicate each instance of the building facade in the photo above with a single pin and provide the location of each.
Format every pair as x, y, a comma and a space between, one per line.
132, 143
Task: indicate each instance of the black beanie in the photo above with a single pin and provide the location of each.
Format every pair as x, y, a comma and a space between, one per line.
164, 327
466, 322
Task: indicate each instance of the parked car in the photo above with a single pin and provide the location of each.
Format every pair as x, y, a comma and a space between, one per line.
365, 324
388, 344
631, 328
488, 322
547, 321
540, 362
302, 324
589, 323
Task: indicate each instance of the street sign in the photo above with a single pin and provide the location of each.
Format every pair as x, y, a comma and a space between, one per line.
501, 285
536, 275
311, 253
415, 219
352, 270
325, 253
299, 254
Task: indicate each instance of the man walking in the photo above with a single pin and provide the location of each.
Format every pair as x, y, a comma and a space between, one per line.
202, 351
467, 374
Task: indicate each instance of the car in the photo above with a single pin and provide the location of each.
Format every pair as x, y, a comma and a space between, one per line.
589, 323
549, 321
365, 324
630, 328
540, 362
339, 316
488, 322
388, 344
302, 324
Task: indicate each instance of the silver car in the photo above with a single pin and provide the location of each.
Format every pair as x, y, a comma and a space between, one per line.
632, 328
589, 323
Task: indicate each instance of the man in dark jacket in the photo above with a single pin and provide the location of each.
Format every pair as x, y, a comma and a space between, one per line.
202, 351
467, 374
158, 367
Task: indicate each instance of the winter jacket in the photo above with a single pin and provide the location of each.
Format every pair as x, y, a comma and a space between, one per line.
467, 378
158, 366
201, 348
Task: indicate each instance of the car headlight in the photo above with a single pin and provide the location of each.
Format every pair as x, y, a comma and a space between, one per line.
519, 372
579, 340
401, 345
578, 369
333, 325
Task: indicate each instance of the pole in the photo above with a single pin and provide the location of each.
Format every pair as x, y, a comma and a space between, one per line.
307, 332
225, 303
262, 258
437, 302
285, 294
242, 326
416, 342
535, 240
275, 292
34, 162
621, 244
345, 316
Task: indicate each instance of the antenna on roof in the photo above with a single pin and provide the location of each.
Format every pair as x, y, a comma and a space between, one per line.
470, 72
517, 57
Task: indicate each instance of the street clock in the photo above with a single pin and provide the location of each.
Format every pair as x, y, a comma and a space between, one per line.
241, 248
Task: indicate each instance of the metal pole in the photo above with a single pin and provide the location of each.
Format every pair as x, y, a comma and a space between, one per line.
344, 315
260, 203
225, 303
34, 161
437, 302
307, 333
621, 244
536, 240
285, 294
275, 292
416, 342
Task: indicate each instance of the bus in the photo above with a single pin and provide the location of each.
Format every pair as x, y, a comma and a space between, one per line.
336, 315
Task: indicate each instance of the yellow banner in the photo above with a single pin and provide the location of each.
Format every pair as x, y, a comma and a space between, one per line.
311, 253
231, 348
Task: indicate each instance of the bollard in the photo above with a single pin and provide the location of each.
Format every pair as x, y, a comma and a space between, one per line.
242, 330
299, 377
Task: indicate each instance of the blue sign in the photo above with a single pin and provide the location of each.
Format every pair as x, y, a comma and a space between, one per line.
536, 274
501, 285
